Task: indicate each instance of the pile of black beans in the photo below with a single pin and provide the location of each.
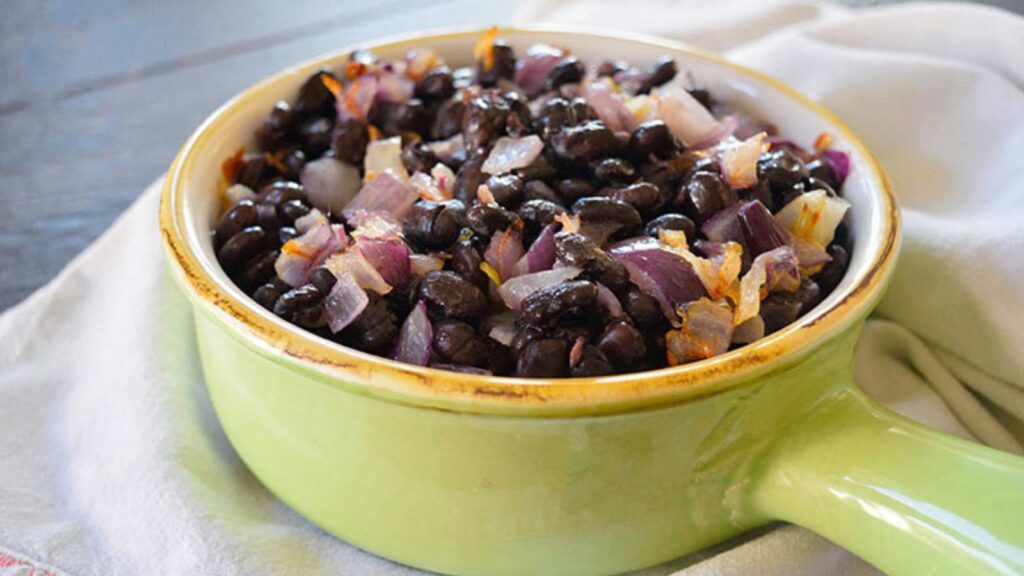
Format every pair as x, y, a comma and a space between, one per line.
636, 183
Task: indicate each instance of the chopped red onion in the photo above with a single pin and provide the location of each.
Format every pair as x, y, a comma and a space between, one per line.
374, 224
773, 270
504, 250
353, 263
415, 338
541, 255
607, 299
761, 231
813, 216
809, 255
444, 177
687, 118
386, 193
510, 154
300, 256
726, 127
839, 161
389, 256
448, 150
344, 303
385, 155
724, 225
420, 264
311, 220
330, 184
659, 273
357, 99
514, 291
706, 330
533, 68
609, 106
394, 88
739, 161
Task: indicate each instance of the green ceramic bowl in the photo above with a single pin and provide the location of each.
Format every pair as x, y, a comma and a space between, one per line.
473, 475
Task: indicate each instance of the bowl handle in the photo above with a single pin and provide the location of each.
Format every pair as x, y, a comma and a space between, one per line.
906, 498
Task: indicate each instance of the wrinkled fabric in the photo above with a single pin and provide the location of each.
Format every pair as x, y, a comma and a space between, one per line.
112, 461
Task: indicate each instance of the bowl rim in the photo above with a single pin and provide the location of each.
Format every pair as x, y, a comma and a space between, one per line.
338, 366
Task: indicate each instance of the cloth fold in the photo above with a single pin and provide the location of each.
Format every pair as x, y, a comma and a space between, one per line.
112, 461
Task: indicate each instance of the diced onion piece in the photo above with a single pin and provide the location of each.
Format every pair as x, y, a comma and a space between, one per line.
739, 161
384, 193
352, 262
419, 61
311, 220
345, 302
510, 154
389, 256
445, 179
420, 264
687, 118
394, 88
447, 150
705, 330
775, 268
659, 273
374, 224
541, 255
517, 289
760, 230
415, 338
300, 256
330, 184
503, 333
718, 273
426, 187
503, 251
749, 331
385, 155
724, 225
813, 217
839, 161
533, 68
609, 105
726, 127
355, 101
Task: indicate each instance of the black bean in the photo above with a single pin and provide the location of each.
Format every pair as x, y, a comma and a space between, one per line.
267, 294
581, 110
554, 115
448, 119
643, 309
781, 168
672, 222
762, 192
592, 363
287, 233
623, 345
242, 247
459, 343
500, 362
374, 330
312, 318
449, 295
487, 219
314, 97
653, 138
417, 157
266, 216
258, 270
663, 71
436, 84
466, 260
349, 141
292, 160
434, 225
560, 304
703, 96
539, 213
503, 65
610, 68
572, 189
252, 171
832, 272
282, 191
323, 279
277, 127
469, 178
315, 135
541, 169
822, 170
611, 171
643, 196
539, 190
240, 216
292, 210
780, 309
519, 121
577, 250
568, 70
302, 306
545, 358
484, 122
507, 189
585, 142
601, 210
813, 183
704, 194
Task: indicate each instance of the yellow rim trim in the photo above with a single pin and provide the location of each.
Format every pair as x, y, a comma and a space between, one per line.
364, 373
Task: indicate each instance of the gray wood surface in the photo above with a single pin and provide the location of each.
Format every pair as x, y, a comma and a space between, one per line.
96, 96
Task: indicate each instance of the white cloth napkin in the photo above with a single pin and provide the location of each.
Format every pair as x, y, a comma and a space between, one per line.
112, 461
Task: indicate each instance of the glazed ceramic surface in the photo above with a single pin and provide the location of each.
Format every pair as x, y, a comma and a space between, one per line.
465, 474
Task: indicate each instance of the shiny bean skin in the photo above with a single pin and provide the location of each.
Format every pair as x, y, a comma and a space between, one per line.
241, 247
545, 358
459, 343
558, 304
449, 295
